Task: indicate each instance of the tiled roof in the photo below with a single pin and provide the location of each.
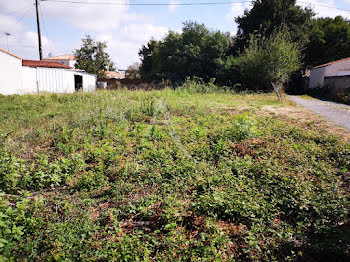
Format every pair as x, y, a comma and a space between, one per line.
9, 53
113, 74
331, 63
35, 63
63, 57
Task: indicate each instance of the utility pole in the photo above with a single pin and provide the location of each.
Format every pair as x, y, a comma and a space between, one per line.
38, 25
7, 40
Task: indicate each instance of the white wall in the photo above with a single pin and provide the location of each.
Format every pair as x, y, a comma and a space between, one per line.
10, 74
89, 82
71, 63
343, 73
337, 69
334, 69
55, 80
29, 83
317, 77
38, 80
18, 79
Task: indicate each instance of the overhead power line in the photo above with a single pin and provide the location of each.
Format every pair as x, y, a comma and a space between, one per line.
175, 4
146, 4
18, 10
327, 6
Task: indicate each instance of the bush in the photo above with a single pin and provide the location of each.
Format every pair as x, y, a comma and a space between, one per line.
267, 63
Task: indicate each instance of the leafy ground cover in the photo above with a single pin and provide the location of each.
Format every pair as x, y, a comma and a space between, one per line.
170, 176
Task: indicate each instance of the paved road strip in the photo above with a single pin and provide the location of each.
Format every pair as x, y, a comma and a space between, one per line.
338, 113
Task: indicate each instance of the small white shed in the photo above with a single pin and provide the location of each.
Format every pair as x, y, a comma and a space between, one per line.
332, 69
53, 77
19, 76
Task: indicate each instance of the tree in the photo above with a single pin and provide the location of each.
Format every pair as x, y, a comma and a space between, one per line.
329, 41
266, 15
149, 56
269, 62
92, 57
196, 52
111, 66
133, 71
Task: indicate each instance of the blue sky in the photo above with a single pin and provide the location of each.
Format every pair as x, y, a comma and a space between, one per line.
125, 28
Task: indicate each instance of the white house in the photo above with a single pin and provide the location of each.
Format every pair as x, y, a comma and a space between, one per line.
68, 60
10, 73
19, 76
332, 69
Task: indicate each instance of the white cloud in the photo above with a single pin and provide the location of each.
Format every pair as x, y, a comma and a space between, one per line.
237, 9
173, 5
124, 44
22, 41
92, 17
324, 8
125, 32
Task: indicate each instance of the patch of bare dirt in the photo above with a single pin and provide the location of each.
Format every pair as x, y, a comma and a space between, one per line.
247, 147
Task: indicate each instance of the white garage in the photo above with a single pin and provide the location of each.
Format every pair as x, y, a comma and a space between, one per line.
36, 77
332, 69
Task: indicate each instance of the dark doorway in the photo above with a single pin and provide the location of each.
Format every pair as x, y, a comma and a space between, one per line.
78, 82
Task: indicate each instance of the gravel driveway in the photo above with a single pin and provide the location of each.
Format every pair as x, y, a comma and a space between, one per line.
338, 113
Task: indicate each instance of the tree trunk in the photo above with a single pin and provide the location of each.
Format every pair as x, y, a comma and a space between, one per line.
277, 88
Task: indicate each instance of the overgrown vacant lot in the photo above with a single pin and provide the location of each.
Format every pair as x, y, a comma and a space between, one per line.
170, 176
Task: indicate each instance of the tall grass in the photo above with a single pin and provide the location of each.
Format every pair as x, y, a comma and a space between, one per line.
168, 176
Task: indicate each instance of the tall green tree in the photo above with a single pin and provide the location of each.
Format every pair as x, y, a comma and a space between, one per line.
266, 15
329, 40
92, 57
196, 52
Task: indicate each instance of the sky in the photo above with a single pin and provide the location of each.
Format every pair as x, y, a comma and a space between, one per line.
125, 28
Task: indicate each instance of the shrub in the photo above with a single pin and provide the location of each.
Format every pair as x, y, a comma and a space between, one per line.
267, 63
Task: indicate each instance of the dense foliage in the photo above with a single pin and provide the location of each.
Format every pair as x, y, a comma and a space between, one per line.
329, 41
92, 57
269, 15
199, 52
186, 175
267, 62
196, 52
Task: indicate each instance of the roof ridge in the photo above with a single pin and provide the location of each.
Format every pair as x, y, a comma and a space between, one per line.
331, 63
42, 63
7, 52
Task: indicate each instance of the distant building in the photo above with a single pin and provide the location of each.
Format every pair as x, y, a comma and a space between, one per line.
320, 75
112, 79
68, 60
115, 74
19, 76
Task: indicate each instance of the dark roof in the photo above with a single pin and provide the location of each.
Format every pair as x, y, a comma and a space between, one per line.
331, 63
35, 63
